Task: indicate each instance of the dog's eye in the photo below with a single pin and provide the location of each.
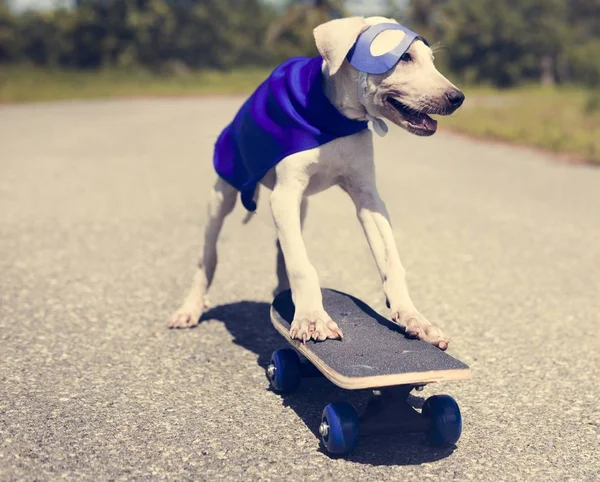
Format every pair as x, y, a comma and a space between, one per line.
406, 57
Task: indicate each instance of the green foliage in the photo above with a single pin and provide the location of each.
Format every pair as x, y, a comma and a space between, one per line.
34, 84
585, 62
502, 43
291, 33
151, 33
8, 27
514, 41
592, 105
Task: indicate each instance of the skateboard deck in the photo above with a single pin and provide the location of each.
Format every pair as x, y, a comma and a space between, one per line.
374, 352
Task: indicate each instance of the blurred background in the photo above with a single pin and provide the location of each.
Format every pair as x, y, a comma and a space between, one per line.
531, 68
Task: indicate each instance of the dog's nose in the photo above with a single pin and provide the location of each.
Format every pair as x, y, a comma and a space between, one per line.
456, 97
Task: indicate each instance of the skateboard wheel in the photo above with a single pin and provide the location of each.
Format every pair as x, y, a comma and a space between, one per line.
284, 371
446, 421
339, 428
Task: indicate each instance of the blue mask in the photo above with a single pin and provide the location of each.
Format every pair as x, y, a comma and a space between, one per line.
360, 56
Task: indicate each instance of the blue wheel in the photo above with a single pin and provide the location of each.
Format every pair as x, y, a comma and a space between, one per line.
284, 371
339, 428
446, 421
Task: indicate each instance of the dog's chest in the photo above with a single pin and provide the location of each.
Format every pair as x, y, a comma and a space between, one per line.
321, 181
329, 166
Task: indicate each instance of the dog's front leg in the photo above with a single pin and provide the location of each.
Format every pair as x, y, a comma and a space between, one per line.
283, 282
375, 220
310, 318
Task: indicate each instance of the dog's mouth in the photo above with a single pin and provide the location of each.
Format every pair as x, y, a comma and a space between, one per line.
416, 122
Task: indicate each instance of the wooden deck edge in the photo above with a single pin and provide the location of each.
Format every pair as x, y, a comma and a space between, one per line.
378, 381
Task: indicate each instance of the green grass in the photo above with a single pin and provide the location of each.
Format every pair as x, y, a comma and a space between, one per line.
565, 120
24, 84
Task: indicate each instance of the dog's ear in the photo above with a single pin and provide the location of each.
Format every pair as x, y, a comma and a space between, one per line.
335, 38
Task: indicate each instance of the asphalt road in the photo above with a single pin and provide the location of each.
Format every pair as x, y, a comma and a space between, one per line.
101, 208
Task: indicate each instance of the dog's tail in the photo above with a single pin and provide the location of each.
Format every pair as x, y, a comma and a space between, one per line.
251, 214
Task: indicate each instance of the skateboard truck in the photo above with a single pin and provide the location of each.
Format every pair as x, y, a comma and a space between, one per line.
387, 411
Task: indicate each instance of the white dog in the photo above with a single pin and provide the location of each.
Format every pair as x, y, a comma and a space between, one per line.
404, 95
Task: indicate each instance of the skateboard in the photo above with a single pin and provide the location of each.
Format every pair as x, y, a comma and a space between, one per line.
374, 355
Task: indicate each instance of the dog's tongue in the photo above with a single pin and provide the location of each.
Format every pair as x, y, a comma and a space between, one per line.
429, 123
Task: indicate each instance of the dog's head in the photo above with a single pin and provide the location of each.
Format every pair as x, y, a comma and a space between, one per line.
407, 93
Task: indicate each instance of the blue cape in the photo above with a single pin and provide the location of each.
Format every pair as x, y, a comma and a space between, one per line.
288, 113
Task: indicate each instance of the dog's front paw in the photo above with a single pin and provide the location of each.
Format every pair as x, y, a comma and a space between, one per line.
318, 328
415, 325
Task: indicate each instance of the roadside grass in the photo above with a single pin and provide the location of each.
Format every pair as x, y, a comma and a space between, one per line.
564, 120
27, 84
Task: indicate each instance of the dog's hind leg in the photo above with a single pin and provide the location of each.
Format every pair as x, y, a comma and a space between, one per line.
222, 201
283, 283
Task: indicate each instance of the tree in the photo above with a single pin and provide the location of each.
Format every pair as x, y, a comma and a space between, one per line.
8, 47
581, 57
154, 33
502, 43
424, 17
291, 33
546, 34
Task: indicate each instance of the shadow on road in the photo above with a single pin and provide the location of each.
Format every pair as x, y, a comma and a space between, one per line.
250, 325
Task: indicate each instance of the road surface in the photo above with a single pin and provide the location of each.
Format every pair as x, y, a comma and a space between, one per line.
101, 214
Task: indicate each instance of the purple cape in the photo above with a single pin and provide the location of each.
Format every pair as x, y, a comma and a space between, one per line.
289, 112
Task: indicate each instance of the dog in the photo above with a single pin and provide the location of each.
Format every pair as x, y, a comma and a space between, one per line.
403, 90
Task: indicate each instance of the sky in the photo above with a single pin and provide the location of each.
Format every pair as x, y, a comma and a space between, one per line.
357, 7
35, 4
